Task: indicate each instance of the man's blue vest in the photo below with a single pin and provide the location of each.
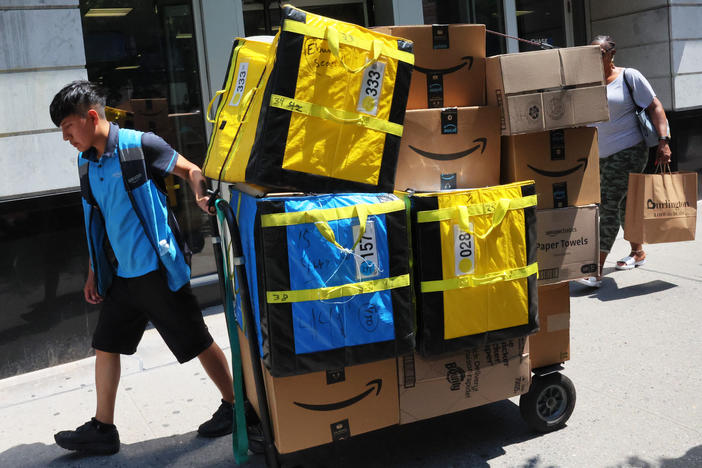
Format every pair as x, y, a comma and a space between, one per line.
148, 202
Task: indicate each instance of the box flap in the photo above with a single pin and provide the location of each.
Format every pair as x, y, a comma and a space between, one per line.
590, 104
527, 71
582, 65
525, 113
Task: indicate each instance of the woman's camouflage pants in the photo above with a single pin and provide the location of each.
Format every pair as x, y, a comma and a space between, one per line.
614, 180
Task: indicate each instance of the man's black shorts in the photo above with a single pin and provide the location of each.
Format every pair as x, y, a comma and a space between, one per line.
132, 302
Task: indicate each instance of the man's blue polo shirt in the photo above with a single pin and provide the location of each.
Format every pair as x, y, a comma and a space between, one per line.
135, 255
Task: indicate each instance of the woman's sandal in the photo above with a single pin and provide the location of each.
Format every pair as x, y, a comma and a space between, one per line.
629, 262
590, 281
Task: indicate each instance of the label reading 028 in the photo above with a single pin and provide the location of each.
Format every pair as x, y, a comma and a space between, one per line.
464, 250
240, 83
371, 85
366, 252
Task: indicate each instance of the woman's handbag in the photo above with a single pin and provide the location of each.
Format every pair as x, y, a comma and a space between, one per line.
648, 131
661, 207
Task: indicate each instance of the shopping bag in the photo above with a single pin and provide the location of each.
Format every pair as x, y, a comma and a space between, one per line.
661, 207
329, 279
475, 266
333, 109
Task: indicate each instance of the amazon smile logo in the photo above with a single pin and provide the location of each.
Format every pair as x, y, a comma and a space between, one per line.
481, 143
468, 60
583, 164
376, 385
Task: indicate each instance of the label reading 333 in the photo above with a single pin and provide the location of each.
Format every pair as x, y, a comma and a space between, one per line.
371, 85
240, 84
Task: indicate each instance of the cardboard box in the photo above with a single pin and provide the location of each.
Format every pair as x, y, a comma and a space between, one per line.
449, 64
568, 243
551, 344
565, 165
318, 408
449, 148
446, 384
547, 89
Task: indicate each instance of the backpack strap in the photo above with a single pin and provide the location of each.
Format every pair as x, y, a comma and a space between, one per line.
84, 175
135, 173
133, 165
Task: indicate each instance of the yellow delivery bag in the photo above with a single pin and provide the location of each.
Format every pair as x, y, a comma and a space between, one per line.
238, 109
332, 114
475, 264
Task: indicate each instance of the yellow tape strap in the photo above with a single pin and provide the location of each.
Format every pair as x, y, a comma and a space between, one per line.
454, 212
471, 281
341, 116
329, 214
346, 39
334, 292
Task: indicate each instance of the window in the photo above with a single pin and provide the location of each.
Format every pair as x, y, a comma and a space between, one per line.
487, 12
144, 54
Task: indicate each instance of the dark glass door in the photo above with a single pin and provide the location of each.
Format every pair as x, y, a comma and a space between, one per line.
144, 54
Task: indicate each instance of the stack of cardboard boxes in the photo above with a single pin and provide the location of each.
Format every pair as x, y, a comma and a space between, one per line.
546, 98
530, 129
452, 141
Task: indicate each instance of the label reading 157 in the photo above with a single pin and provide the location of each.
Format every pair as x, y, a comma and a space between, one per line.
366, 252
370, 88
240, 84
464, 250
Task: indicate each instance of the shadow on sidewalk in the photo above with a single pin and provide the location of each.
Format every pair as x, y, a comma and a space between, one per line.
178, 450
692, 457
469, 438
609, 291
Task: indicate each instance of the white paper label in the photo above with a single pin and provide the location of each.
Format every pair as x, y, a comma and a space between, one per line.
370, 88
240, 84
464, 250
366, 252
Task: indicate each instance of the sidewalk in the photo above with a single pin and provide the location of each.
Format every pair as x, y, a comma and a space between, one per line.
160, 404
636, 352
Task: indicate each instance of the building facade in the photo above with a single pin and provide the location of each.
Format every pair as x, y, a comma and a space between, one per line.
162, 60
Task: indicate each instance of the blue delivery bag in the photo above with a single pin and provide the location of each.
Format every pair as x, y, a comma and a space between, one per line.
328, 277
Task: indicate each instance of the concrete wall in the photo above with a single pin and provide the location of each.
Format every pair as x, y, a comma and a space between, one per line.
686, 40
642, 33
661, 38
42, 49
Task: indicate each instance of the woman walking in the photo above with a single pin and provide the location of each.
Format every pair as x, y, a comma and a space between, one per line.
623, 150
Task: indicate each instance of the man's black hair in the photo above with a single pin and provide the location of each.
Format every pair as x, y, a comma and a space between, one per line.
77, 98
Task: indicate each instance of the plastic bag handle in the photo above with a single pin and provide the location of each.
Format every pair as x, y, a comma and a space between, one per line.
209, 106
326, 231
244, 104
332, 37
501, 208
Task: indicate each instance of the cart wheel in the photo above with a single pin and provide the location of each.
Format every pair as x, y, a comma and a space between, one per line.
549, 402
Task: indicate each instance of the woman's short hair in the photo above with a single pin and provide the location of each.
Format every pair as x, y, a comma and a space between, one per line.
608, 42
